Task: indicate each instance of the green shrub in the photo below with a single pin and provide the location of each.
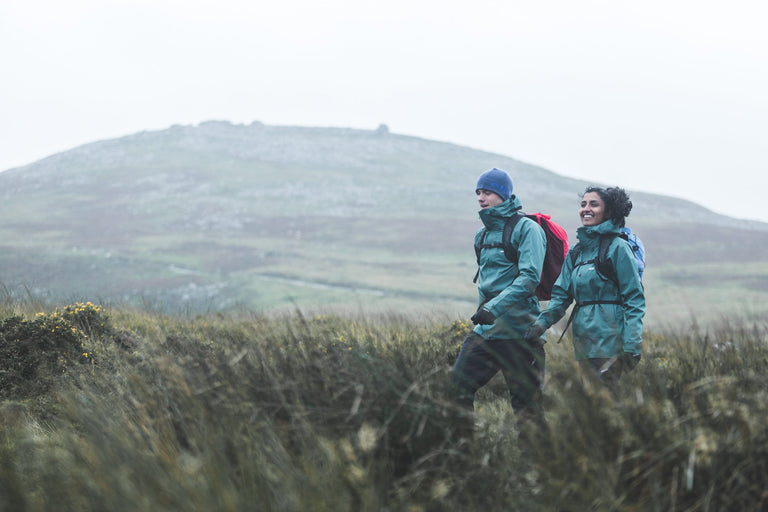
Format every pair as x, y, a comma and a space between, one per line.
34, 352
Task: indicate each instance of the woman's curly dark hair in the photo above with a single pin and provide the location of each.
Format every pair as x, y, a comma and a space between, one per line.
617, 203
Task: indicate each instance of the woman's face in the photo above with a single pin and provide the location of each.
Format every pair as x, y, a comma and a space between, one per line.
592, 211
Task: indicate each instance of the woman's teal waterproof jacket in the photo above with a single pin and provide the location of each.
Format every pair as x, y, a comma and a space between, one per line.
599, 330
508, 289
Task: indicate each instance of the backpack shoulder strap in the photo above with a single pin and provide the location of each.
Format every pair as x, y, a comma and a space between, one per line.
506, 238
478, 249
506, 242
479, 244
602, 262
574, 254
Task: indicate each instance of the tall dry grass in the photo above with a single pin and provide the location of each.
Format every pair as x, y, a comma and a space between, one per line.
296, 412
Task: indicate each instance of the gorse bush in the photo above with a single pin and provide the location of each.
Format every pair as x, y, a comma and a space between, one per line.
295, 412
34, 351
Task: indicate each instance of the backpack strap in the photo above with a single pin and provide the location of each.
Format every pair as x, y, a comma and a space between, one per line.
506, 242
604, 269
580, 304
604, 266
601, 261
574, 254
506, 238
479, 244
478, 249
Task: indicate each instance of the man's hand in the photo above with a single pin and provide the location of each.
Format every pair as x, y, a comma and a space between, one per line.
483, 317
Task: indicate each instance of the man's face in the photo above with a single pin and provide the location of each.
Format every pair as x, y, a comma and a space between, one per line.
488, 199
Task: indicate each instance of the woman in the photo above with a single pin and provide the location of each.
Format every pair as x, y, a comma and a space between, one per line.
609, 310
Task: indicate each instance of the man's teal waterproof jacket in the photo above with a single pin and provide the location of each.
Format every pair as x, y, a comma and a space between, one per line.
600, 330
508, 289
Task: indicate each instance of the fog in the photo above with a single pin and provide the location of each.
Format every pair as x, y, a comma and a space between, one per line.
664, 97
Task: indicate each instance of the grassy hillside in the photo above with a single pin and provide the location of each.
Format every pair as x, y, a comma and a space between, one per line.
221, 217
125, 410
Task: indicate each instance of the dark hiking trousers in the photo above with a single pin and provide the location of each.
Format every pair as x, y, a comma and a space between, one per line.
521, 363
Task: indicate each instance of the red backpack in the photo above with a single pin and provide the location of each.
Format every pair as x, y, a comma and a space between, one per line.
557, 248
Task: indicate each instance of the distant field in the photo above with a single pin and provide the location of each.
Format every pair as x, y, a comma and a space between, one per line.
222, 217
362, 272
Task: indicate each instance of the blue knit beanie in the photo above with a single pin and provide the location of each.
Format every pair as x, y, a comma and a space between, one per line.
497, 181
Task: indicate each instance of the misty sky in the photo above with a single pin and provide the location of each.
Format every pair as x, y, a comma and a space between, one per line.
659, 96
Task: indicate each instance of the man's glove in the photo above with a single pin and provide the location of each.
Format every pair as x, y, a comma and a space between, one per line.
483, 317
534, 333
630, 360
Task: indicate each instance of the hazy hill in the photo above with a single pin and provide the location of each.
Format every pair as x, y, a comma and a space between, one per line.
221, 215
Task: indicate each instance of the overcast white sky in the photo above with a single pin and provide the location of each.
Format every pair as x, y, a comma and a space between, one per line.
661, 96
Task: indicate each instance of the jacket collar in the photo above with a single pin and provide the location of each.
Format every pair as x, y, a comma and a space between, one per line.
586, 234
494, 218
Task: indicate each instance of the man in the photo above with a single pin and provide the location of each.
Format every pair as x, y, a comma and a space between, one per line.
507, 304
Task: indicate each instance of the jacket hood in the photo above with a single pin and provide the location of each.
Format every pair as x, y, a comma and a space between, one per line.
493, 217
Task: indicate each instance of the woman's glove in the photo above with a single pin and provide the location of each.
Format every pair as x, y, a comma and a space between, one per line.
630, 360
534, 333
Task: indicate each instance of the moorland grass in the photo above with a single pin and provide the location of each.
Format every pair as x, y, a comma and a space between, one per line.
124, 409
